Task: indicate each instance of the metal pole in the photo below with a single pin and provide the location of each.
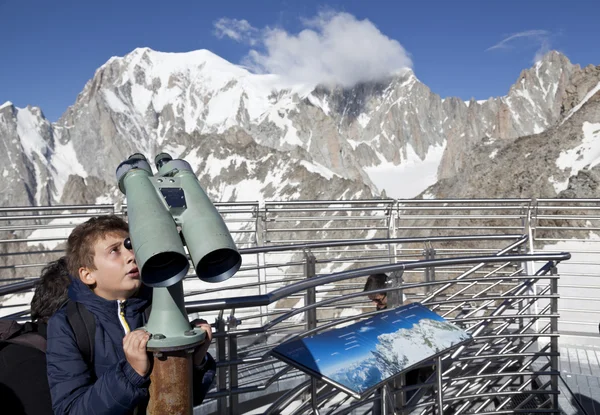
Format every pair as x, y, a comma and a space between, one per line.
431, 256
394, 297
554, 340
172, 345
233, 369
310, 315
313, 396
382, 401
400, 398
221, 371
171, 383
391, 218
311, 293
440, 392
261, 260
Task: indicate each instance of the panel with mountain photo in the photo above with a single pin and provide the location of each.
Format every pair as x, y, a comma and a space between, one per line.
360, 356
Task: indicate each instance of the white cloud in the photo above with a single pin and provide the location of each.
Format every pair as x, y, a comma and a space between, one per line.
238, 30
333, 48
541, 38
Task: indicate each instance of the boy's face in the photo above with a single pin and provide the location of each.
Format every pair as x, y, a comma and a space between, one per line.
116, 276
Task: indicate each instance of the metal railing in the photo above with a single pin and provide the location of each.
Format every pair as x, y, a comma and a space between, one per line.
452, 259
492, 299
32, 236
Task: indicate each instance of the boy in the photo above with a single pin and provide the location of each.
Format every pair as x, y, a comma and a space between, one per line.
23, 382
107, 282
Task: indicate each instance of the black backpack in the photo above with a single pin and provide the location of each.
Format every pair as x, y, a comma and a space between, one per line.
13, 332
80, 319
83, 323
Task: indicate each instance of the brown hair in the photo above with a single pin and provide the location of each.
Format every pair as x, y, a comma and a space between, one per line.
80, 245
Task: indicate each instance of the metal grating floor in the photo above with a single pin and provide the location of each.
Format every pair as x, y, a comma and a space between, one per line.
580, 370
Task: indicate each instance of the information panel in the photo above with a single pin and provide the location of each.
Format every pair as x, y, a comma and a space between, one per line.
359, 357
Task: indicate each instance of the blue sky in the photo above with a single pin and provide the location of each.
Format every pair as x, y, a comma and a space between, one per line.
51, 48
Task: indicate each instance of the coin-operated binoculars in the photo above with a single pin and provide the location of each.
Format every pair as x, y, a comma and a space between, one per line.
166, 212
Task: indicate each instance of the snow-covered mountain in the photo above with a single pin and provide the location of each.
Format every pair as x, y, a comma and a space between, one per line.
254, 137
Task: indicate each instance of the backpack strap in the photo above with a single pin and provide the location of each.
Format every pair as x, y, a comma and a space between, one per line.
84, 326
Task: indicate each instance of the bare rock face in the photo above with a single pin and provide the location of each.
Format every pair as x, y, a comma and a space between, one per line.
581, 83
28, 143
559, 162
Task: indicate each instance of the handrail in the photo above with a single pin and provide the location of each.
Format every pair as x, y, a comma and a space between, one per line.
378, 241
27, 285
280, 293
55, 207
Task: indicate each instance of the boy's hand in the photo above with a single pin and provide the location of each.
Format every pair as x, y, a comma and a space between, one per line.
134, 345
200, 352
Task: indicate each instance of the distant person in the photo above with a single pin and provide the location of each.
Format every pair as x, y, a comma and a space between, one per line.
379, 282
23, 382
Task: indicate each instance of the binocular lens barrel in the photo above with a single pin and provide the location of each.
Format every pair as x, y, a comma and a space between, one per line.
158, 268
218, 265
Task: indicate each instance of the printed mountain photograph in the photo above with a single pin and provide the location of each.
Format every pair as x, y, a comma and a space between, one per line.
366, 353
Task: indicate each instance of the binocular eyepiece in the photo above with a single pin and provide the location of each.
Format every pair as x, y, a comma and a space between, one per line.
159, 208
162, 159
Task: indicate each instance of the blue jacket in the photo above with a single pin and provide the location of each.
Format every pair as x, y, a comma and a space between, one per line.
114, 387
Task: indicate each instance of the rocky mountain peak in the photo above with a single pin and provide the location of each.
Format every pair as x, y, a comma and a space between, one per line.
394, 133
7, 106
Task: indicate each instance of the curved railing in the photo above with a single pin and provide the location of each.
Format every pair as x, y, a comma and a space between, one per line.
505, 335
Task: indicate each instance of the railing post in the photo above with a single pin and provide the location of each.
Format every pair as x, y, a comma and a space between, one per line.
394, 296
394, 299
429, 253
399, 399
221, 371
310, 270
232, 323
310, 266
261, 260
380, 405
528, 229
431, 256
554, 340
440, 390
391, 217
